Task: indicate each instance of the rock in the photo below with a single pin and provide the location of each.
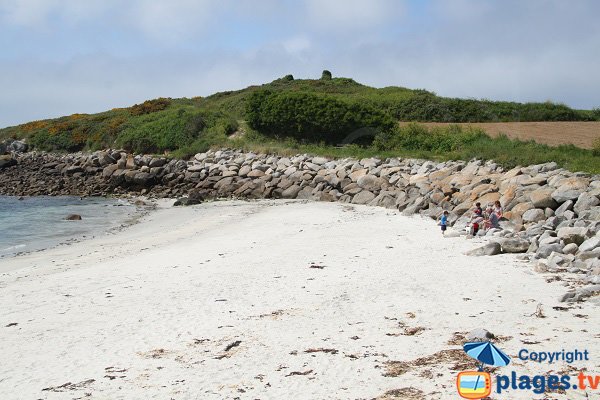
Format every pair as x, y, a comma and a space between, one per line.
571, 248
384, 199
489, 249
489, 198
569, 188
363, 197
542, 198
244, 171
291, 192
73, 169
584, 292
186, 201
143, 179
566, 206
109, 170
357, 174
371, 182
567, 296
544, 250
18, 146
590, 244
7, 161
514, 245
585, 201
319, 160
255, 173
73, 217
520, 209
557, 261
575, 235
479, 335
534, 215
105, 159
157, 162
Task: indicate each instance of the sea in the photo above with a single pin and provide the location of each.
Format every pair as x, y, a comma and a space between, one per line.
34, 223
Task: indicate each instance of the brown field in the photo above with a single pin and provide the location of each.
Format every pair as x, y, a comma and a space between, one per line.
581, 134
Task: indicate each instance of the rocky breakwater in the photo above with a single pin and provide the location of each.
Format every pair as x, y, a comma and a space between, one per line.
551, 215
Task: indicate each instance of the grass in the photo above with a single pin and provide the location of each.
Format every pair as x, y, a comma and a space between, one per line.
503, 150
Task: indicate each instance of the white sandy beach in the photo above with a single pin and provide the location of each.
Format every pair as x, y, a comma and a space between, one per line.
147, 313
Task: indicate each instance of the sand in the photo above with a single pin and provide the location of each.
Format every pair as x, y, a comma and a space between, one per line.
273, 300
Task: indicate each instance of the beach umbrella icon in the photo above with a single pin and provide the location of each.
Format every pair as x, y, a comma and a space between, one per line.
486, 353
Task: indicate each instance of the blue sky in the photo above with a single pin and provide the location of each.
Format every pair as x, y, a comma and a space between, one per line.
59, 57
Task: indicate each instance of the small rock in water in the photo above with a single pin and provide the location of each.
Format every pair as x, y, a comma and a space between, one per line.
73, 217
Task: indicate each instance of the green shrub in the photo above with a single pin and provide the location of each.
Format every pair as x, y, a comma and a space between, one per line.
311, 117
326, 75
418, 137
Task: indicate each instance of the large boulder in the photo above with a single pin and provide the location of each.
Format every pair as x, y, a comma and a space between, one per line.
542, 198
585, 201
573, 234
590, 244
534, 215
371, 182
489, 249
291, 192
514, 245
143, 179
363, 197
104, 159
518, 210
18, 146
566, 206
545, 249
569, 188
7, 161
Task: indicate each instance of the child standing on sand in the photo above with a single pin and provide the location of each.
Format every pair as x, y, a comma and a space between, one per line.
444, 222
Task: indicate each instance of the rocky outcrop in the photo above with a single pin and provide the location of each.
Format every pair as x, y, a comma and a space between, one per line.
551, 214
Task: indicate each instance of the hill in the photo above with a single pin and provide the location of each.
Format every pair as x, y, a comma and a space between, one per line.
293, 113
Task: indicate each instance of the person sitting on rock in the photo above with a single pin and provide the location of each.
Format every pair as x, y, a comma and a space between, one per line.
476, 219
498, 209
491, 219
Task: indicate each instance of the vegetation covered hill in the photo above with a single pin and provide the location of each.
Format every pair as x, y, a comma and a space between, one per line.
314, 115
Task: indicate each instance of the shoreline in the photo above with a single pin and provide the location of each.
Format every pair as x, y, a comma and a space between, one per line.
149, 312
139, 208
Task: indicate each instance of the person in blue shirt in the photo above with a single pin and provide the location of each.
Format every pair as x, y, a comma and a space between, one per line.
444, 222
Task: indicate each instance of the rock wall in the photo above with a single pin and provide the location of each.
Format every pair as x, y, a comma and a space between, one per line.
551, 214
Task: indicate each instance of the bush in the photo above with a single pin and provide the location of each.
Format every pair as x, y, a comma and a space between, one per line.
311, 117
150, 106
157, 132
418, 137
326, 75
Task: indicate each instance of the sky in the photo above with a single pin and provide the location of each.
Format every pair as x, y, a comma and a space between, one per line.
59, 57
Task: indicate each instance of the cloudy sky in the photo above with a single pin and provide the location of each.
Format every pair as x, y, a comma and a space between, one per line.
58, 57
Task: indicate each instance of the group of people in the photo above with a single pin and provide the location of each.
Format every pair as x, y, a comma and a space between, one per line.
486, 219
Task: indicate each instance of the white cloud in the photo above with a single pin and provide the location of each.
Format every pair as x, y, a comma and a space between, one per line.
37, 13
297, 45
349, 15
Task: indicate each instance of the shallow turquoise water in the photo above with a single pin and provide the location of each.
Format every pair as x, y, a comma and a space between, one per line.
36, 223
